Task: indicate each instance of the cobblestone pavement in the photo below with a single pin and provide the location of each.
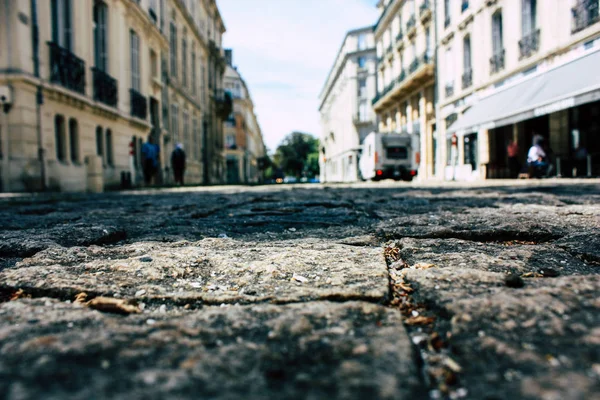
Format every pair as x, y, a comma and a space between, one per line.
388, 291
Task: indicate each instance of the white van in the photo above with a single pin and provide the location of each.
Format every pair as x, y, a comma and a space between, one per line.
387, 156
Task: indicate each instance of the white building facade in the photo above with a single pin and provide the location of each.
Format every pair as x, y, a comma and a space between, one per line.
511, 69
345, 107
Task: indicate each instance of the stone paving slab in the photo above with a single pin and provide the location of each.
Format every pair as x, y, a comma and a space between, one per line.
314, 350
507, 257
208, 271
540, 341
504, 222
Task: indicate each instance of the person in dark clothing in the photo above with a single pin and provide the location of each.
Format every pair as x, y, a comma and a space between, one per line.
178, 163
512, 151
150, 155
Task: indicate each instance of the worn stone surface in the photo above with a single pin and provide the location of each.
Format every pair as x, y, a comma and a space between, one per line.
303, 351
489, 292
209, 271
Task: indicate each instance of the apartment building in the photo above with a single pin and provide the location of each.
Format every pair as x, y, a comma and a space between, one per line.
511, 69
244, 146
85, 83
345, 107
404, 103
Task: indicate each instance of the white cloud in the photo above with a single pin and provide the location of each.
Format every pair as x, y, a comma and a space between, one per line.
284, 49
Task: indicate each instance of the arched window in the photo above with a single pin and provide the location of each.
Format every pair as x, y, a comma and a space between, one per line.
99, 142
74, 140
60, 138
109, 148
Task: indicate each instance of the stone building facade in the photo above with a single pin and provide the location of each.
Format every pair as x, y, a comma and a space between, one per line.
345, 107
244, 145
87, 82
510, 69
404, 103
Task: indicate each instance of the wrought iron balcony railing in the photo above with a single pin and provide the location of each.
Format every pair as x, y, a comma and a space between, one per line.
223, 103
399, 36
497, 62
402, 76
585, 13
464, 5
424, 7
376, 98
529, 44
467, 78
139, 104
66, 69
411, 23
389, 49
105, 88
447, 21
449, 89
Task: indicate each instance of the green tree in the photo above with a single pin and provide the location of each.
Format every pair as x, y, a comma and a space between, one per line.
298, 155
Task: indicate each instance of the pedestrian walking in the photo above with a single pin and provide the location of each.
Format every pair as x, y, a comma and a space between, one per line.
178, 163
512, 150
150, 154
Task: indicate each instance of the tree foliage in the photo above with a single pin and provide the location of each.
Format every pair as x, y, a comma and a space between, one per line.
298, 155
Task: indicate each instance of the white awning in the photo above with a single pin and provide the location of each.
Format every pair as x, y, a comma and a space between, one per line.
574, 83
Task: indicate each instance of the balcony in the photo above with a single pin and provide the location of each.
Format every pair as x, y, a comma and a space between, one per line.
467, 78
223, 103
464, 5
529, 44
585, 13
449, 89
497, 62
420, 73
418, 61
105, 88
361, 119
139, 104
389, 49
66, 69
425, 10
399, 36
411, 25
447, 21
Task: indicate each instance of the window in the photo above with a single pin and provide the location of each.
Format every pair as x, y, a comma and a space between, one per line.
173, 49
74, 140
184, 60
109, 148
186, 130
230, 141
154, 64
62, 27
202, 81
152, 10
196, 138
497, 44
447, 13
60, 140
467, 53
362, 87
175, 122
363, 111
135, 61
427, 43
362, 62
449, 66
194, 81
362, 41
162, 15
528, 16
99, 142
100, 35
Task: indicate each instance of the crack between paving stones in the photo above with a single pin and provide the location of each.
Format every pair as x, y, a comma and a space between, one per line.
65, 294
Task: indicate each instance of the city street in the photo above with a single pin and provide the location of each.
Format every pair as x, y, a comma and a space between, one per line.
366, 291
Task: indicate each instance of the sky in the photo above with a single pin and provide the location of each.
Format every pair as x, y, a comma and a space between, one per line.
284, 50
